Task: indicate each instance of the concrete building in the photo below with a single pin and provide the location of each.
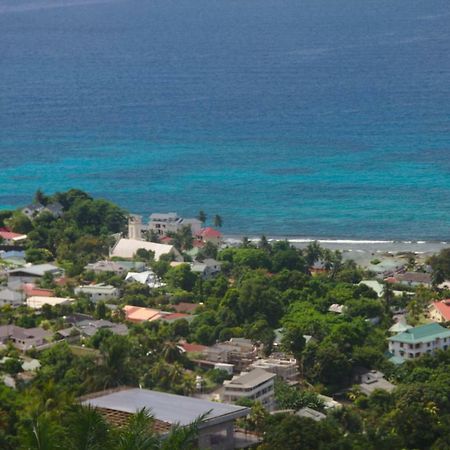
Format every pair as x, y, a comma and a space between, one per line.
98, 292
419, 340
284, 368
215, 433
254, 385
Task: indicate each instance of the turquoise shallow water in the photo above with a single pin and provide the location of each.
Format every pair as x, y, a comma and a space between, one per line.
287, 117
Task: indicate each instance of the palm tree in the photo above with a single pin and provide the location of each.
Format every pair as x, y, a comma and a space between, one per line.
42, 433
87, 429
202, 216
139, 433
171, 352
218, 221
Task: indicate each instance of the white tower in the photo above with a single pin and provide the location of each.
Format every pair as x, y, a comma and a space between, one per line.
135, 227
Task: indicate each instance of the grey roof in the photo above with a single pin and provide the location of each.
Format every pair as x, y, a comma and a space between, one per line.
7, 331
10, 295
168, 408
90, 327
415, 277
38, 270
311, 414
251, 379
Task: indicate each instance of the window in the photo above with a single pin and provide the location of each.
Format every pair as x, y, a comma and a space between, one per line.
401, 344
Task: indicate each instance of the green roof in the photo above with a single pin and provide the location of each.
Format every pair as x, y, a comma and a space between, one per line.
423, 333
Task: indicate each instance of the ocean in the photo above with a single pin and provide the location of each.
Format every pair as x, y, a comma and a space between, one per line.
307, 118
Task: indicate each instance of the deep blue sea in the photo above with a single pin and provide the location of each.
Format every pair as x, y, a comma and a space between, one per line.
290, 117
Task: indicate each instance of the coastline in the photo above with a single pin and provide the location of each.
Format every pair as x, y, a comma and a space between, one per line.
360, 250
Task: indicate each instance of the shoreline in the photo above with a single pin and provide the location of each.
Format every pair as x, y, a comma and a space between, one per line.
362, 251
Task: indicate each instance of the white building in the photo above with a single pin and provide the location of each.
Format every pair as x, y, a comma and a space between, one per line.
161, 224
39, 302
207, 269
98, 292
418, 341
148, 277
127, 248
255, 385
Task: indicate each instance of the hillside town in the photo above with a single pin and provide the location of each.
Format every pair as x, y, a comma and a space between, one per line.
235, 343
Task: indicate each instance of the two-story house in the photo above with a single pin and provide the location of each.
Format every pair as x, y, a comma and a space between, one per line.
420, 340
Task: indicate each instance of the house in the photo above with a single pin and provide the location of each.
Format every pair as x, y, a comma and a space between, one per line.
33, 210
163, 223
373, 379
55, 209
30, 290
399, 327
209, 268
138, 314
254, 385
284, 368
216, 432
7, 237
33, 272
439, 311
127, 248
419, 340
148, 277
24, 338
414, 279
98, 292
88, 328
11, 297
39, 302
311, 413
336, 308
374, 285
209, 234
116, 267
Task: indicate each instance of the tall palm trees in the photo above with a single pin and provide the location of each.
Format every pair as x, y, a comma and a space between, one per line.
85, 428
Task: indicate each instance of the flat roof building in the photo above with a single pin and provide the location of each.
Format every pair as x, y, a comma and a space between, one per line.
254, 385
215, 433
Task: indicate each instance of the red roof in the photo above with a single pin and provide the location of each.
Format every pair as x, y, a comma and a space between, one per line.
5, 229
9, 235
192, 347
31, 290
209, 232
391, 280
443, 307
166, 240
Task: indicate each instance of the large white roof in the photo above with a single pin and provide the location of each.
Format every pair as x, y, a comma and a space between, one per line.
126, 248
168, 408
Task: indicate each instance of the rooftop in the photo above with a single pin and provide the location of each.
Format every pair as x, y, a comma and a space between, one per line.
126, 248
423, 333
250, 379
443, 306
167, 408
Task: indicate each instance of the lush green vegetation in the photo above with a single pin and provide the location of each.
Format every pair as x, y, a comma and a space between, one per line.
262, 287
